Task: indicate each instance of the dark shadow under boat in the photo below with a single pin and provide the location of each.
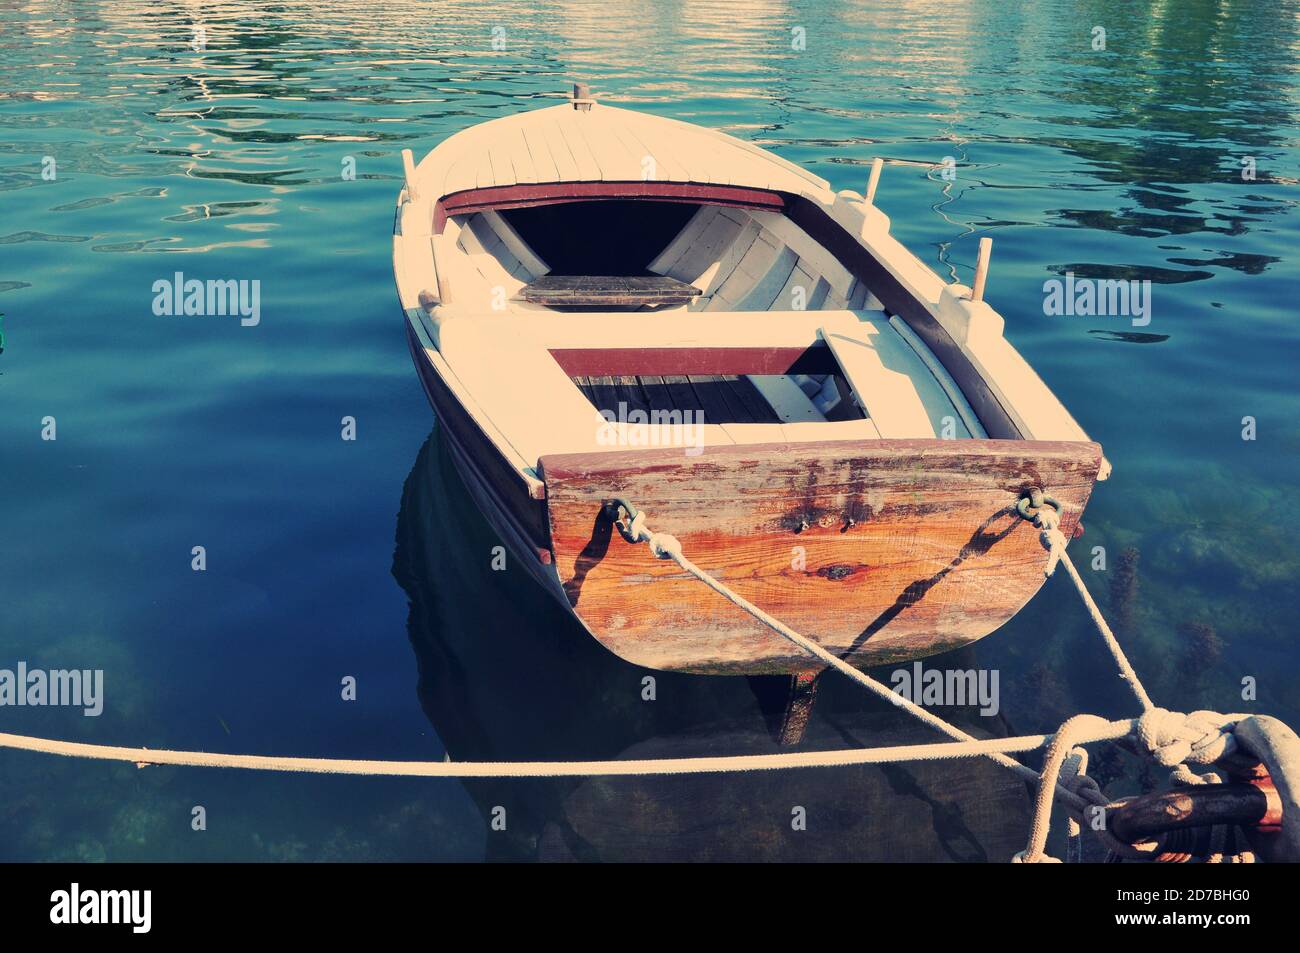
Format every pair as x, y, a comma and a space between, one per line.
505, 674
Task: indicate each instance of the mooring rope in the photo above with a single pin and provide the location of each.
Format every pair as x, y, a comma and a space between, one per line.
728, 764
1046, 515
1171, 738
1064, 750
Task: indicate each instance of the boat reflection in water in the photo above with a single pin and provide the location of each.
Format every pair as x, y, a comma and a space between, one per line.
505, 674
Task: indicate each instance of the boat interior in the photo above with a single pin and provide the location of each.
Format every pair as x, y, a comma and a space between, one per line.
793, 341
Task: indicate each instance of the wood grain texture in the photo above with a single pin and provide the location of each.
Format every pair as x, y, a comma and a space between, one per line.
607, 290
882, 551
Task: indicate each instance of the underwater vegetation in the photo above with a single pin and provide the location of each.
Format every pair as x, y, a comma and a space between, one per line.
1202, 650
1123, 588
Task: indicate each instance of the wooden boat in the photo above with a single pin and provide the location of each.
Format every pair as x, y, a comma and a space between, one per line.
603, 303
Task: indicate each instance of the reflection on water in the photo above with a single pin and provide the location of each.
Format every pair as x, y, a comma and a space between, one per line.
139, 138
506, 674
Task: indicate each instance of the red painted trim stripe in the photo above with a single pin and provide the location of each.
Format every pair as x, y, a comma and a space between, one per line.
553, 193
658, 361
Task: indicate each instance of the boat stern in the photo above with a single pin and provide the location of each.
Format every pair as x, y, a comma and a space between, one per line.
881, 551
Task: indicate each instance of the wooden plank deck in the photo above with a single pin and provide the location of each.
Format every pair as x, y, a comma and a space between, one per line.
607, 290
728, 399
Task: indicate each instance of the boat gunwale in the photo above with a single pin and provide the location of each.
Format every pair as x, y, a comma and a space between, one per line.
563, 191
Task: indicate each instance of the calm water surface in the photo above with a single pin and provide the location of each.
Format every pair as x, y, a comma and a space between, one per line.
213, 139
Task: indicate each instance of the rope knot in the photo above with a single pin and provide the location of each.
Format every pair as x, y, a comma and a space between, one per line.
1048, 522
1173, 737
665, 546
1075, 779
1045, 513
1183, 776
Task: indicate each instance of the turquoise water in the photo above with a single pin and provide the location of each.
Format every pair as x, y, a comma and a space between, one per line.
142, 139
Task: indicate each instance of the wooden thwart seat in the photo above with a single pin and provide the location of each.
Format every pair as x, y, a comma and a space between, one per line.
548, 408
895, 387
607, 290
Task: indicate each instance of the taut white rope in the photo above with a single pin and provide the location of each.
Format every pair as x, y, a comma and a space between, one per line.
1053, 540
939, 751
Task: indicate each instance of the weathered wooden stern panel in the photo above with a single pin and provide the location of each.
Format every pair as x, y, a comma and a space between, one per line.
882, 551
